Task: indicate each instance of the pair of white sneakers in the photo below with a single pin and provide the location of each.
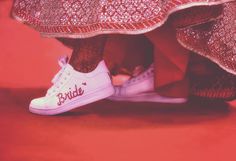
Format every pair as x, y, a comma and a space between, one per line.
72, 89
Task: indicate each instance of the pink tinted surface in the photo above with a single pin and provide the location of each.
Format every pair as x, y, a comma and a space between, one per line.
109, 131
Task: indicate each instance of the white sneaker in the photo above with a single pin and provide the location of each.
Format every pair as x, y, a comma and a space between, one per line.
141, 89
72, 89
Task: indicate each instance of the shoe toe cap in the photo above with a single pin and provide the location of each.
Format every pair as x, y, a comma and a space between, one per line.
38, 103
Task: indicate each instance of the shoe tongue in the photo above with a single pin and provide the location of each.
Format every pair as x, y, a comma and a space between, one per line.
138, 70
69, 67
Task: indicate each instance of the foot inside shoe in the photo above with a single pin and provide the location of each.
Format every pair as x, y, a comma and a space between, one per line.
72, 89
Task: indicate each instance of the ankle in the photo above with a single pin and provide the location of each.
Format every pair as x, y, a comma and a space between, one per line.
86, 66
90, 52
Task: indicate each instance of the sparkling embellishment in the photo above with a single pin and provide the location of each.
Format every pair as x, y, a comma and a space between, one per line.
84, 17
214, 40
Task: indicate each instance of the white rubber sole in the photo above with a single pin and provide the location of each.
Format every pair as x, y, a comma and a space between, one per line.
91, 97
148, 97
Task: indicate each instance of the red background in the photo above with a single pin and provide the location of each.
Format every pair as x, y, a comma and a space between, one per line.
26, 59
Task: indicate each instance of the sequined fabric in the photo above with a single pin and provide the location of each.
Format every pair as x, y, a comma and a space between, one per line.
215, 40
85, 18
195, 15
208, 80
220, 86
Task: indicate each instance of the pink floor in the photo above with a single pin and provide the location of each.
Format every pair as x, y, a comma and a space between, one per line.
24, 55
108, 131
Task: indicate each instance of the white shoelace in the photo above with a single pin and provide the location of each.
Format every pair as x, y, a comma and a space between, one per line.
148, 73
60, 77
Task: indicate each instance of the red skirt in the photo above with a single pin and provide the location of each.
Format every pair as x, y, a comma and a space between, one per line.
86, 18
214, 38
